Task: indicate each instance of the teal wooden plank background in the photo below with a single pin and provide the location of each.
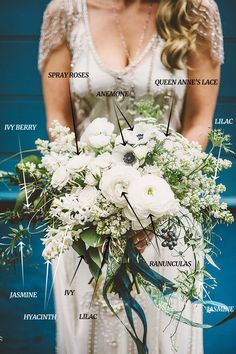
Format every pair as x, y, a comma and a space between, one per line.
21, 102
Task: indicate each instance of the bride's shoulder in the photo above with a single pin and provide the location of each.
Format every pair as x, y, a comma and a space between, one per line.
207, 7
206, 14
59, 19
60, 7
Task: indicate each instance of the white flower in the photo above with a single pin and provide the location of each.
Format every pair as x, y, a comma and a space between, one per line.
98, 133
141, 134
147, 195
53, 161
90, 179
87, 197
79, 162
153, 170
116, 181
141, 151
60, 178
124, 155
103, 161
57, 241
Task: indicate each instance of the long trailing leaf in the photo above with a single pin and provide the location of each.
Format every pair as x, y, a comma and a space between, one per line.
18, 154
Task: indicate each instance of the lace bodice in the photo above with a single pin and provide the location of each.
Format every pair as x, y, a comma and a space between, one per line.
67, 21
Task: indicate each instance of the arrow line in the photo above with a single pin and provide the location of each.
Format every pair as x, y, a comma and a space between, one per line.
130, 126
154, 231
145, 231
170, 114
46, 283
121, 133
218, 161
152, 222
77, 268
74, 120
23, 172
106, 251
21, 244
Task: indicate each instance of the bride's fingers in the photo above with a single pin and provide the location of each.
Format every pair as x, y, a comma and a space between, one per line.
141, 245
140, 236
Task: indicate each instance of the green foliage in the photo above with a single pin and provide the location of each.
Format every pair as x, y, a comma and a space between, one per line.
94, 255
20, 201
91, 255
10, 250
80, 248
91, 238
219, 139
30, 159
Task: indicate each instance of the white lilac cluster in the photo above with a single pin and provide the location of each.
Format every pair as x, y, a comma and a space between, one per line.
117, 182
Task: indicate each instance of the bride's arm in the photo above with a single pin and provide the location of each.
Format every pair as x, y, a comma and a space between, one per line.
56, 91
200, 100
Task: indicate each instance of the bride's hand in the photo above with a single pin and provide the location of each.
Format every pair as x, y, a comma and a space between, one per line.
142, 239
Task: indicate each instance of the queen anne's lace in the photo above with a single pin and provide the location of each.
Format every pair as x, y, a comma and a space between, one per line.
207, 15
61, 16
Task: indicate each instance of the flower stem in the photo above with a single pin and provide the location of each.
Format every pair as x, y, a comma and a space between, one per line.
136, 283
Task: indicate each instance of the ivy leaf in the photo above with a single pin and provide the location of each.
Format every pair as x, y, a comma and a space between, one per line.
20, 201
210, 260
94, 269
79, 247
94, 255
91, 238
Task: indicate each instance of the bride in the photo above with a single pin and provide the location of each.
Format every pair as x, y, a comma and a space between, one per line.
139, 47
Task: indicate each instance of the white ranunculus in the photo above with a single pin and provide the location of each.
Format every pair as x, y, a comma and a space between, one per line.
98, 133
116, 181
79, 162
147, 195
60, 178
103, 161
124, 155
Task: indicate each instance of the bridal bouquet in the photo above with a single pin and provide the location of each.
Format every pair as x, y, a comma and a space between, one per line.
95, 195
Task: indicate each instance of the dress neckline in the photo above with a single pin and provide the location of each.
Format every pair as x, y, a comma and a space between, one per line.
114, 71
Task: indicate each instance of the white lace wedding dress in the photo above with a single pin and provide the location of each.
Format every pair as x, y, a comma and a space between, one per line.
67, 20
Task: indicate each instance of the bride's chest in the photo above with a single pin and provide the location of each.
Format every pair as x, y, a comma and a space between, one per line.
146, 75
